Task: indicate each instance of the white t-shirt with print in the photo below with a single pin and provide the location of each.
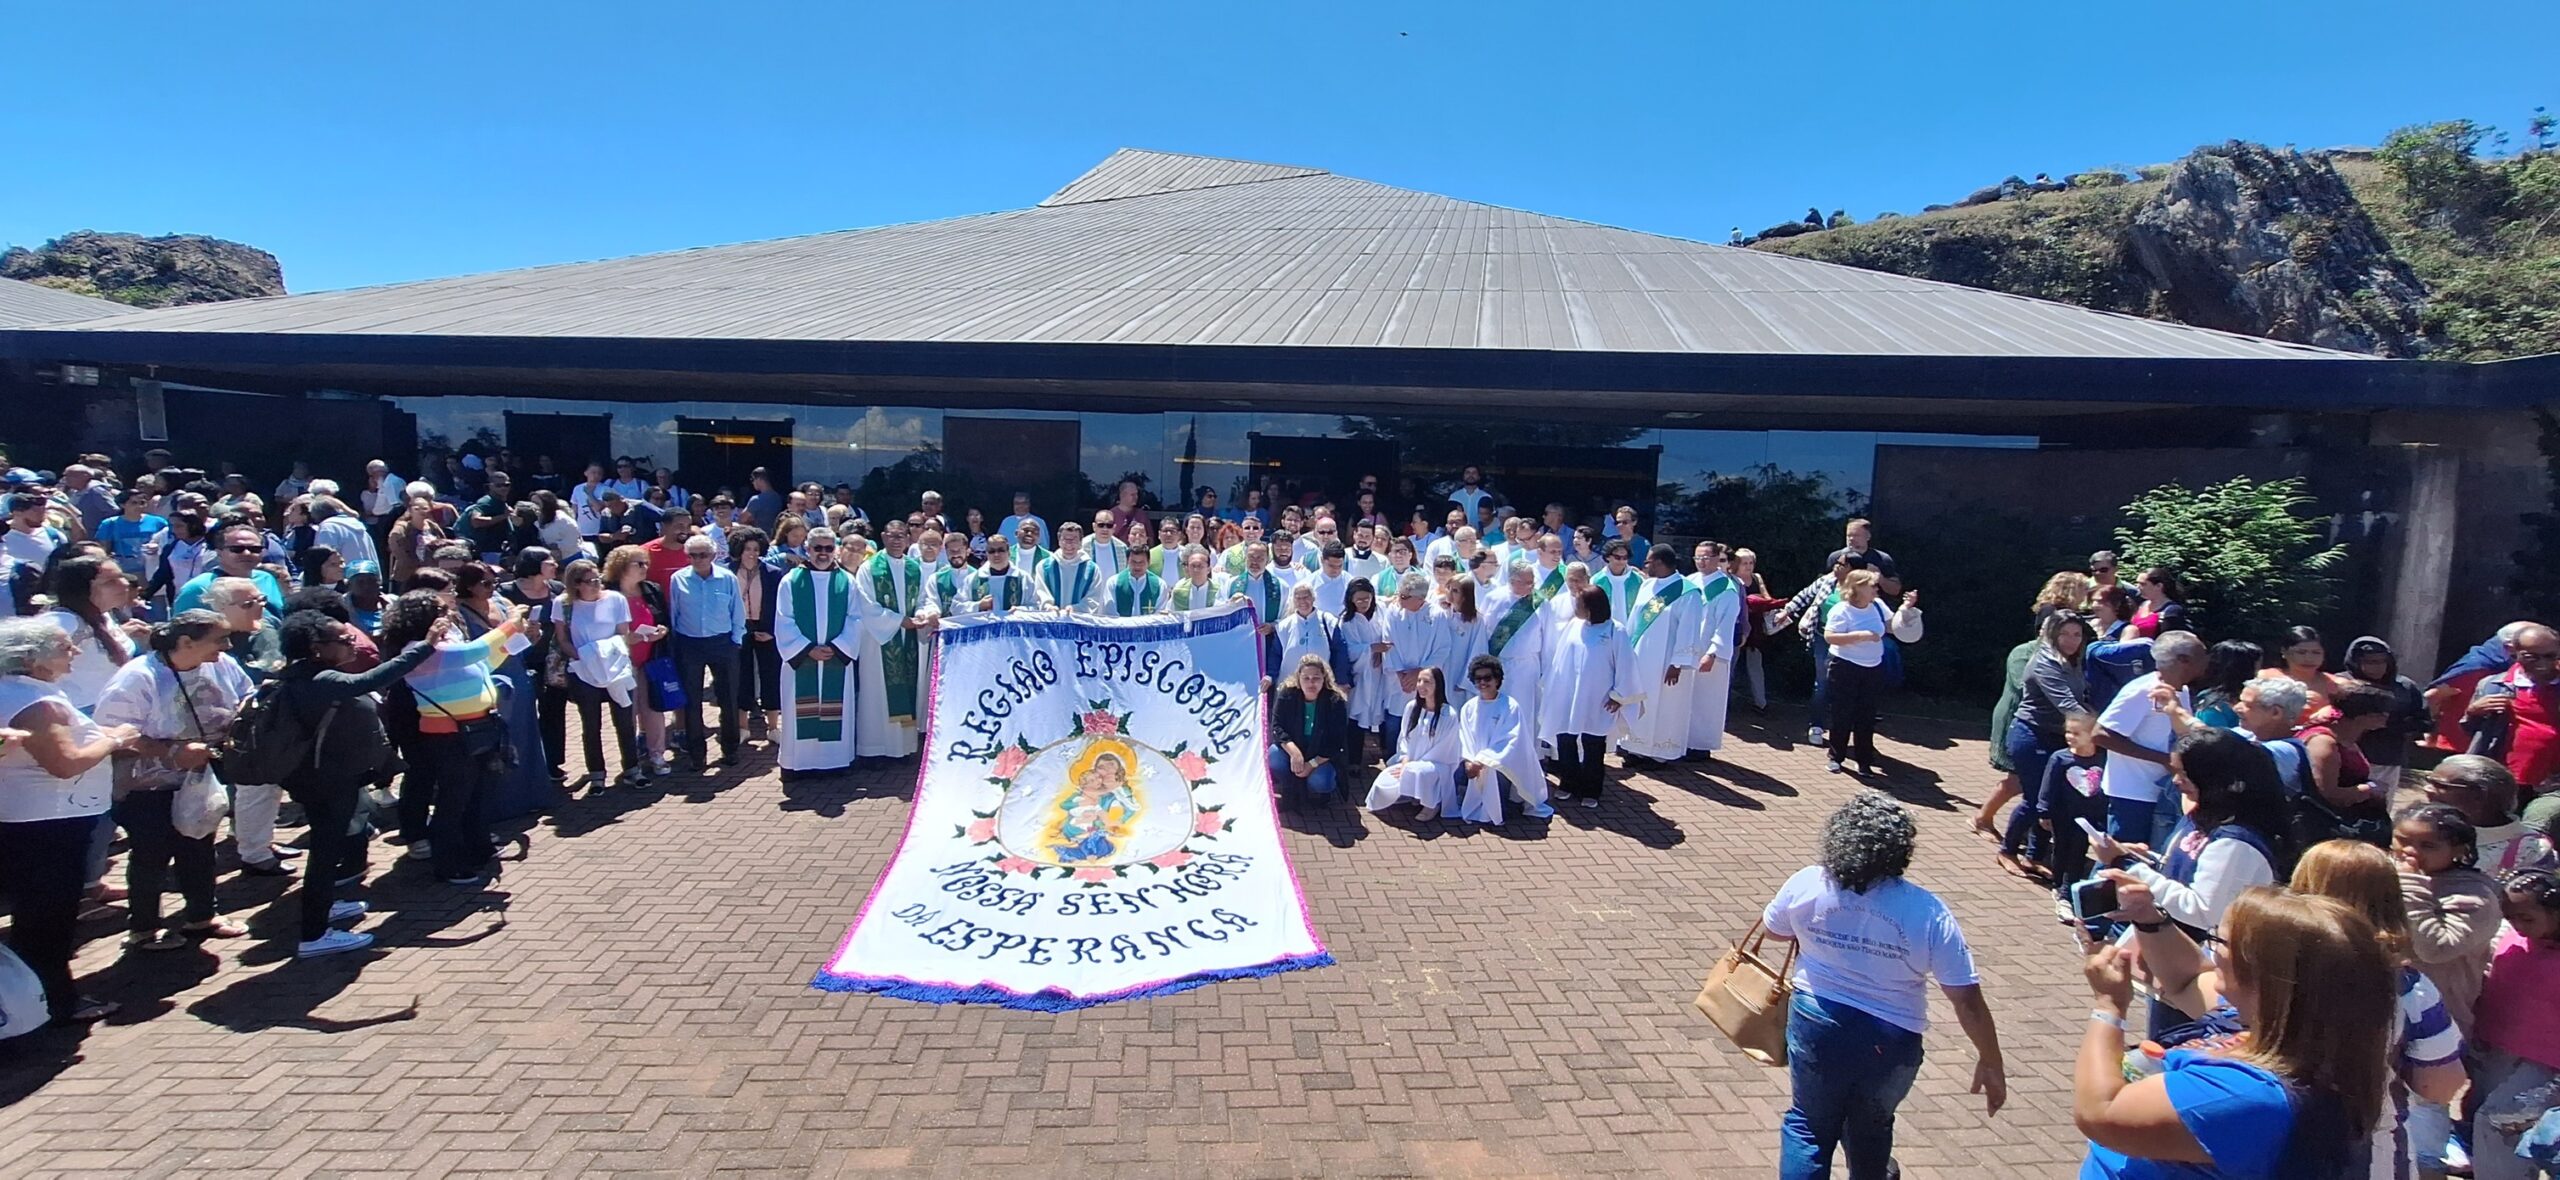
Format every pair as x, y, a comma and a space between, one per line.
1874, 951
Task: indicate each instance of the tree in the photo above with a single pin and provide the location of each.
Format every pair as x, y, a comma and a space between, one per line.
2252, 561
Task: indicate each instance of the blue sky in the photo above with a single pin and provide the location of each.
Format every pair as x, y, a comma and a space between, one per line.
378, 143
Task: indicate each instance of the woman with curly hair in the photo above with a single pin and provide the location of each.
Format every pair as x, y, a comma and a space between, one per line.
1869, 943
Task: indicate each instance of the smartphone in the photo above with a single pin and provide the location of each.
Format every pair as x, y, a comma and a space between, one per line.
2093, 899
2087, 827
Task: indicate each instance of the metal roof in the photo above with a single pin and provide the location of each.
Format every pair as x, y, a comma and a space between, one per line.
1153, 248
25, 304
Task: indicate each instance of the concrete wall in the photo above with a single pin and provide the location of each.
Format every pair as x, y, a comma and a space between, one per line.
2498, 476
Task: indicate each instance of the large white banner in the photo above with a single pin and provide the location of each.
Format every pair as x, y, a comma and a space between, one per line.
1093, 820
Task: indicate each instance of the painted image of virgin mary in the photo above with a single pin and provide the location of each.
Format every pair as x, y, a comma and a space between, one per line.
1095, 812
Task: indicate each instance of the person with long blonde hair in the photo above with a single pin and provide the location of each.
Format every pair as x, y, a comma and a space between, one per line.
2309, 982
1310, 725
2068, 590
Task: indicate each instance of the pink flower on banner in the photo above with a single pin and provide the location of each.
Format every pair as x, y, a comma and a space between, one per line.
1015, 864
1010, 762
1096, 874
1191, 765
1209, 824
1101, 724
1172, 860
982, 831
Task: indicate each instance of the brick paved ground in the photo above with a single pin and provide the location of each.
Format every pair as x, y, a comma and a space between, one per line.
632, 998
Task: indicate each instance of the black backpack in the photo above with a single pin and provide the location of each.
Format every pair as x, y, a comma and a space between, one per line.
269, 739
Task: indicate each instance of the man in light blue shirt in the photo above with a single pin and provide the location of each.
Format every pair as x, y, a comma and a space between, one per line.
1470, 496
1022, 512
238, 550
124, 535
708, 616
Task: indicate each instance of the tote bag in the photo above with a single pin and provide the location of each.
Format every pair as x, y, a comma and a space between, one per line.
1748, 1000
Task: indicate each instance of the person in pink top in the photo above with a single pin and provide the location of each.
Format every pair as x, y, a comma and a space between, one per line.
2518, 1026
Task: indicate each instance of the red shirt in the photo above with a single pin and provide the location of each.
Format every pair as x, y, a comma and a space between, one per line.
664, 560
641, 616
2533, 731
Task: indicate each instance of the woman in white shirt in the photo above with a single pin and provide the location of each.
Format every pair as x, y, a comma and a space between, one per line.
559, 528
1591, 675
54, 788
600, 681
88, 593
1366, 642
1856, 630
182, 695
1425, 768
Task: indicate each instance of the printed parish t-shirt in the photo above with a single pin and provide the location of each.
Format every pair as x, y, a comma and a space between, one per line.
1874, 951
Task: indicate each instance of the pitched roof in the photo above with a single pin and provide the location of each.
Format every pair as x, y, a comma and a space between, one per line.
1153, 248
27, 304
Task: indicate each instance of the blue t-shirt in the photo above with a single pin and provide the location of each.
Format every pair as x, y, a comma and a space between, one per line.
124, 539
2241, 1114
191, 595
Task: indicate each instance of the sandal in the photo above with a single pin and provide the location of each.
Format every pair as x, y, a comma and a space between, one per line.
166, 940
217, 928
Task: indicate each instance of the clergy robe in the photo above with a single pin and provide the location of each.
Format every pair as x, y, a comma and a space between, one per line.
1418, 639
1012, 590
1518, 635
1368, 687
1131, 593
1425, 768
891, 701
1664, 633
1625, 591
1388, 578
1590, 665
1269, 594
1497, 731
1550, 580
944, 585
1072, 585
1109, 557
1720, 607
1182, 595
1463, 640
811, 610
1330, 591
1364, 563
1318, 634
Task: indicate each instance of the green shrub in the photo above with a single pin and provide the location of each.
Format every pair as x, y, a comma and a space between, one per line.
2252, 560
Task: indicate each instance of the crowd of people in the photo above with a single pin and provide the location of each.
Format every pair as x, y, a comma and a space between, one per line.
2257, 822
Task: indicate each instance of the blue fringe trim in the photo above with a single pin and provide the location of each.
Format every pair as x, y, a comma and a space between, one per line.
1050, 624
1053, 999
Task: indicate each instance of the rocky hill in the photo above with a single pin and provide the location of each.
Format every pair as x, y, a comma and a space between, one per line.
148, 272
2422, 248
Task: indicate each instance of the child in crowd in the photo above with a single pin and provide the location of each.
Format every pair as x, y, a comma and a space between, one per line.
2519, 1028
2069, 793
2453, 906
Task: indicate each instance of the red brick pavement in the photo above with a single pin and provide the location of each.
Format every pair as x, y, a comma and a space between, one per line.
632, 998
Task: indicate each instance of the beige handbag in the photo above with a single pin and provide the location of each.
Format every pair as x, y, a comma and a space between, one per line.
1748, 1000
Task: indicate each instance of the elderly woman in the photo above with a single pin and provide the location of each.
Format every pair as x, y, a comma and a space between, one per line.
55, 784
182, 698
416, 536
257, 647
1869, 943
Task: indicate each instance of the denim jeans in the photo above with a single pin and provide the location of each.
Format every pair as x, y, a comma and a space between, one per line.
1317, 787
2028, 753
2165, 814
1819, 711
2129, 820
1850, 1071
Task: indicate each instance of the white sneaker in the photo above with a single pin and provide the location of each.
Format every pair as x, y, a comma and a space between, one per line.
418, 850
1817, 735
332, 943
346, 911
1590, 803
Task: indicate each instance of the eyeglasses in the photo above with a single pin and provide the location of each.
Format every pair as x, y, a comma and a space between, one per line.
2102, 569
243, 549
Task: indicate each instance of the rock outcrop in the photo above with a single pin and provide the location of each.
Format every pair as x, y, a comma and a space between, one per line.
148, 272
2273, 243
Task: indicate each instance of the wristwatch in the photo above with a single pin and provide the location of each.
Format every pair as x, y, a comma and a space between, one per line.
2152, 927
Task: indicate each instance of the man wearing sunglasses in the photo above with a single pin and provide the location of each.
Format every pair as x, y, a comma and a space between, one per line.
2515, 718
817, 633
237, 551
2102, 568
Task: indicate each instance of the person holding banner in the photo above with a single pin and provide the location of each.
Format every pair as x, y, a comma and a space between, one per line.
1665, 636
1497, 746
1413, 634
1425, 766
1198, 588
893, 604
1591, 676
1516, 633
1268, 593
817, 632
1309, 722
1071, 578
997, 586
1720, 609
1135, 590
947, 579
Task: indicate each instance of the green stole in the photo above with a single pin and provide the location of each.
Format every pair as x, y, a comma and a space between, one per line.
1522, 611
1267, 592
1182, 592
1553, 585
1657, 603
1062, 596
1388, 580
898, 668
817, 686
946, 587
1717, 588
1233, 560
1008, 595
1131, 596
